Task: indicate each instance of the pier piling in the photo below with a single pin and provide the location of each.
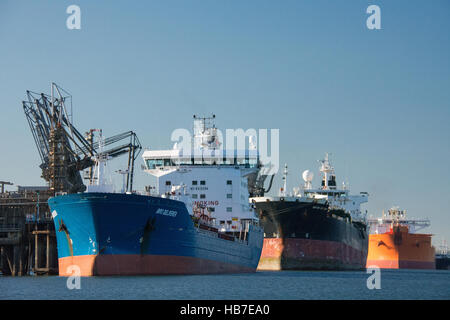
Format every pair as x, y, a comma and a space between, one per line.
27, 233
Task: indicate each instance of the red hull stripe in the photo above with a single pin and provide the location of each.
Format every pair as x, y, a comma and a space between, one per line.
99, 265
291, 253
402, 264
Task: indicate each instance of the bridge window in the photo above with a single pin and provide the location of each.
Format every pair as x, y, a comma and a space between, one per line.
168, 162
153, 163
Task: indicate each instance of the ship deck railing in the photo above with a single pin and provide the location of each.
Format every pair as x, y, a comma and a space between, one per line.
213, 234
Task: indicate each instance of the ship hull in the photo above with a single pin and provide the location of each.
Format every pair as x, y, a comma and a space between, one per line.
443, 262
399, 249
120, 234
308, 236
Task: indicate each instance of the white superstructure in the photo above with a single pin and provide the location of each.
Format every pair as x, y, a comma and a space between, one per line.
396, 217
337, 198
208, 178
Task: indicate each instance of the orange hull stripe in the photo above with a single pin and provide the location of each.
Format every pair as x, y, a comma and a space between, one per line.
92, 265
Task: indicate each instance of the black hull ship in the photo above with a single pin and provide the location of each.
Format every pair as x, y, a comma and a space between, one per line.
321, 229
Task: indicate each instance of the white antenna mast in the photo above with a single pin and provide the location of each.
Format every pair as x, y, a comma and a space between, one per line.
285, 173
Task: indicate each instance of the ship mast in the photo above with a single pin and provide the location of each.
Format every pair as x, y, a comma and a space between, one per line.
329, 178
205, 133
285, 173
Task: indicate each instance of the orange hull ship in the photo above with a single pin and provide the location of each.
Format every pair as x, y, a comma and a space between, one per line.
394, 245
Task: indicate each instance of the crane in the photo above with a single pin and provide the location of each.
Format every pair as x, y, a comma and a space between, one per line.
63, 150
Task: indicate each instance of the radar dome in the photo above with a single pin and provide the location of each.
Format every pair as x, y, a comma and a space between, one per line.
308, 175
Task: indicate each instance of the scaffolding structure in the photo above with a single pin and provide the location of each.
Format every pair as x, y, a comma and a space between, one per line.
63, 150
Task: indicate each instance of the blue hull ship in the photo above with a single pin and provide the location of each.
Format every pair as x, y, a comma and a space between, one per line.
130, 234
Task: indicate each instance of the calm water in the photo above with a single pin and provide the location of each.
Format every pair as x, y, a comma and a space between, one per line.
395, 284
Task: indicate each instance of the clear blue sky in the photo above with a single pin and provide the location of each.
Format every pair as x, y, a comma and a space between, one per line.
379, 100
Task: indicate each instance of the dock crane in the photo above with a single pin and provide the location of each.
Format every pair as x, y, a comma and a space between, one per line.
63, 150
3, 183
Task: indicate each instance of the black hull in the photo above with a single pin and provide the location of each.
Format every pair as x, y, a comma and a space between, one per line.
443, 262
308, 232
